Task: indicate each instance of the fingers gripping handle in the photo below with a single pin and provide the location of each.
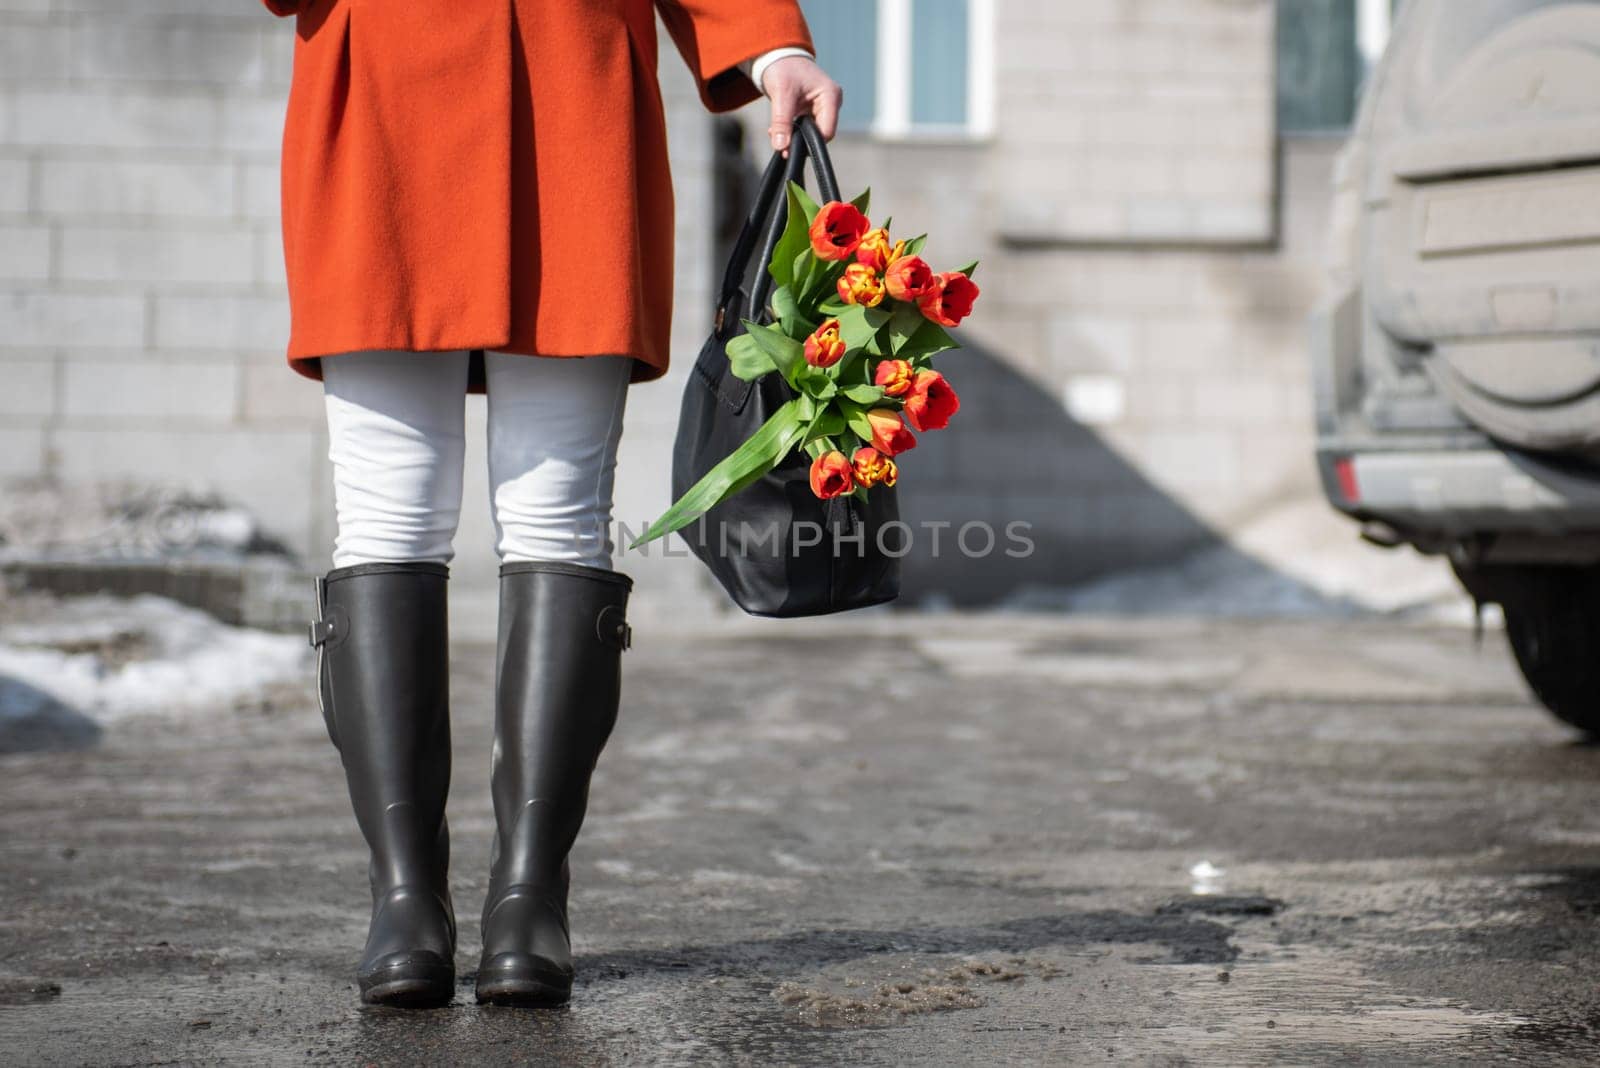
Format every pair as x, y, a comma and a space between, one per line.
770, 214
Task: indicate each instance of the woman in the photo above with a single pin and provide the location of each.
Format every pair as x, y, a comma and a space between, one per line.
476, 198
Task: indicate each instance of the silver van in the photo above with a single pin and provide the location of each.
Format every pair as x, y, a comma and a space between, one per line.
1456, 362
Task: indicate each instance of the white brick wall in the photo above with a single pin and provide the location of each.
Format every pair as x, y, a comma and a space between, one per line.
1158, 118
1124, 211
132, 289
1143, 315
142, 309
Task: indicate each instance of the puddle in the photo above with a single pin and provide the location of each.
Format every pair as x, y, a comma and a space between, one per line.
1314, 999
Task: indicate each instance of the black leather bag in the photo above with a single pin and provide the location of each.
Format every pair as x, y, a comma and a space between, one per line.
774, 546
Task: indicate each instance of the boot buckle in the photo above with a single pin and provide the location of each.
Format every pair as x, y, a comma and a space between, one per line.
612, 629
320, 631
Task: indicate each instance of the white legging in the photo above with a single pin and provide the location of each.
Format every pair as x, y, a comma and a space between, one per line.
396, 430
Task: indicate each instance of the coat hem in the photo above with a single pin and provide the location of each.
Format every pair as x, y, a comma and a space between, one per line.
309, 365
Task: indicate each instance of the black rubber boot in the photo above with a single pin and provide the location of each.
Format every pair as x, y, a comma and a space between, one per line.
562, 630
383, 679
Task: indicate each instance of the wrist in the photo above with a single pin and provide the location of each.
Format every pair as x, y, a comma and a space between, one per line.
755, 68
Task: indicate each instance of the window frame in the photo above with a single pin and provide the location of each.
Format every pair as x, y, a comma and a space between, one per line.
892, 65
1374, 24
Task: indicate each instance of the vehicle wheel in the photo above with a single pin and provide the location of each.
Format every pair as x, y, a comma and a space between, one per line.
1553, 625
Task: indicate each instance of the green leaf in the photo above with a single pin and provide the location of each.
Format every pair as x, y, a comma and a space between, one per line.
867, 395
764, 450
855, 417
927, 341
809, 207
747, 360
819, 384
859, 325
903, 325
969, 270
825, 424
915, 245
786, 354
863, 200
819, 284
842, 369
786, 264
785, 307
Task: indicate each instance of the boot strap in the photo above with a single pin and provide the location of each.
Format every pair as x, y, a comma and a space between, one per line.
612, 628
326, 626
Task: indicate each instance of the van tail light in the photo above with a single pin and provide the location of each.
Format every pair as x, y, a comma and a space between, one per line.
1344, 469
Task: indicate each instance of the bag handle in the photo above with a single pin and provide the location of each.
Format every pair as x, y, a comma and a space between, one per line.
770, 212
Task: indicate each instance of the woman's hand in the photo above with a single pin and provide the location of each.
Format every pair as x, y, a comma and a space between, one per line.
797, 86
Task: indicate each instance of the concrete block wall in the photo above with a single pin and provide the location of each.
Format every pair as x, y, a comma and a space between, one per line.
1134, 120
143, 314
1135, 380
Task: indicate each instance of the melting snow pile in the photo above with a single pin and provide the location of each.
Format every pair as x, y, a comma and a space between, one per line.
111, 657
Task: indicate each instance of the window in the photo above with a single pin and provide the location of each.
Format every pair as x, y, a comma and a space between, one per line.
910, 68
1325, 49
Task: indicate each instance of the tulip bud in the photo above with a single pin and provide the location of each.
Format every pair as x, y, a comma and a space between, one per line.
889, 434
894, 376
831, 475
874, 249
860, 284
873, 467
824, 347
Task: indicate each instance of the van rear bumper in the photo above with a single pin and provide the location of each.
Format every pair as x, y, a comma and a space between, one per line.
1458, 493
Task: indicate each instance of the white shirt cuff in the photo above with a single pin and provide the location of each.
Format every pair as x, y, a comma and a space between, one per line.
756, 68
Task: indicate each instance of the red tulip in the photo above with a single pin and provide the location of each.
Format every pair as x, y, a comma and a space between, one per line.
837, 231
951, 300
909, 278
931, 402
889, 434
831, 475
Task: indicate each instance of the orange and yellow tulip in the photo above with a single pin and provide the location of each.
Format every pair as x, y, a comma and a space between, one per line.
824, 347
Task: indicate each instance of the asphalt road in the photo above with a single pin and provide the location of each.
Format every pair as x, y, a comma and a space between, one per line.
887, 840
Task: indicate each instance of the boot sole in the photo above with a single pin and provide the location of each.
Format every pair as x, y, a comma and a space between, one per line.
524, 993
526, 988
410, 986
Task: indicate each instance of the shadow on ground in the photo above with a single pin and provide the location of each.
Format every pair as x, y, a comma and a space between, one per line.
1188, 940
32, 721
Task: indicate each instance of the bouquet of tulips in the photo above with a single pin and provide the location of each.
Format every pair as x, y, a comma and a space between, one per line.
858, 320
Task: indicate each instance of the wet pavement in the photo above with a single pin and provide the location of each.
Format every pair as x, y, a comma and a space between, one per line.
886, 840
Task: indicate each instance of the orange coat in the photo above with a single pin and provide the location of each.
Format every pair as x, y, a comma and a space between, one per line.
492, 174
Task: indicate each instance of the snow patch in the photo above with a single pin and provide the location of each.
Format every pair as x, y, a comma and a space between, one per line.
113, 657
